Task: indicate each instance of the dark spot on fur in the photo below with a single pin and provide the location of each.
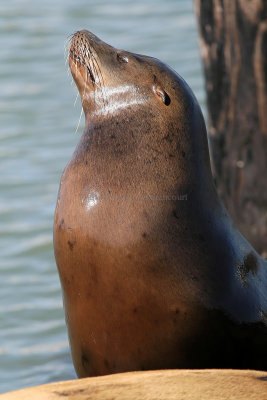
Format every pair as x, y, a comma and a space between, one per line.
135, 310
183, 153
175, 214
84, 359
71, 244
129, 256
250, 265
145, 214
144, 234
168, 138
171, 155
113, 137
62, 224
147, 161
86, 162
106, 363
177, 311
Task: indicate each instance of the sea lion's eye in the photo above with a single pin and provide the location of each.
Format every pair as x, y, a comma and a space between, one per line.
163, 95
122, 58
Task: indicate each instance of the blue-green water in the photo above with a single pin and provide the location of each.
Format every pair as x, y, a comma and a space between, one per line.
37, 124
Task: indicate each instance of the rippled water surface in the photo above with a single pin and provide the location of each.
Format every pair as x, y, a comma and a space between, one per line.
38, 120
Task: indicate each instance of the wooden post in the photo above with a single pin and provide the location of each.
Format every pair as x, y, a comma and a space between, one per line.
233, 43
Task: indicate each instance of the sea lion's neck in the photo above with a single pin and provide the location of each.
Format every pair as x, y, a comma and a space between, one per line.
158, 148
112, 101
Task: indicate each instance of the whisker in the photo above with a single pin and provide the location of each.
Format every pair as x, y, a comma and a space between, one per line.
98, 73
79, 121
76, 99
82, 99
66, 48
67, 43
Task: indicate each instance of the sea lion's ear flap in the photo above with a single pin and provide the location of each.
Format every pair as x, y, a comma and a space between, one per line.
162, 94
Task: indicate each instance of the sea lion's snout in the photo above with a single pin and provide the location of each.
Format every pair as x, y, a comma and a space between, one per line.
85, 66
87, 37
81, 57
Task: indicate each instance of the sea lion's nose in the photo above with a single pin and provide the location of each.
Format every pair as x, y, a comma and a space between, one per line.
87, 35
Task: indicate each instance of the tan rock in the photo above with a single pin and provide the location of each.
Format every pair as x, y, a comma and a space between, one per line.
156, 385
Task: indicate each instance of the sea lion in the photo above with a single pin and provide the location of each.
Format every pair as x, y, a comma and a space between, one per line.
153, 271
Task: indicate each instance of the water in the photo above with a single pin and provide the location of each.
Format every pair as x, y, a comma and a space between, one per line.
37, 124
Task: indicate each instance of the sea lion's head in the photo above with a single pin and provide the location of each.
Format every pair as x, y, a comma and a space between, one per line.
109, 79
141, 94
